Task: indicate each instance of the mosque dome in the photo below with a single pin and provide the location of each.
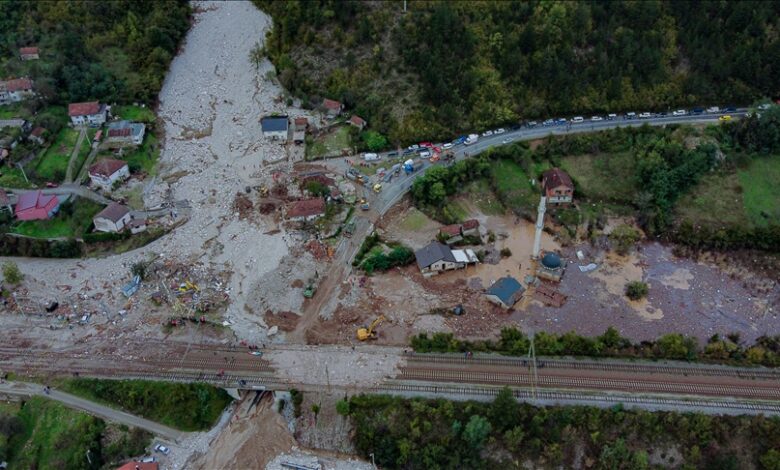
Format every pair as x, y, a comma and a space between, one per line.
551, 261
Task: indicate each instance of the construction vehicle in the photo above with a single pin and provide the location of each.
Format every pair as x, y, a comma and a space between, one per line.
263, 191
378, 188
364, 334
310, 289
349, 228
364, 204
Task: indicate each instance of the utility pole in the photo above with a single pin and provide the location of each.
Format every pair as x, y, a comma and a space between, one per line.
404, 6
532, 358
19, 165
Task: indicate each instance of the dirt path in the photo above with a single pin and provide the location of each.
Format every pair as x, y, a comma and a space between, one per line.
74, 155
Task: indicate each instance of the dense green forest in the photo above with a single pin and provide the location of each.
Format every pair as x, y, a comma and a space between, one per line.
445, 67
441, 434
114, 51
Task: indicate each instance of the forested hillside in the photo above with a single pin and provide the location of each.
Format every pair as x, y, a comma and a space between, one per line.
112, 51
444, 67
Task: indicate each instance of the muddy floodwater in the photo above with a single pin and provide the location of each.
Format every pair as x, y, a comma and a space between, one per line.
685, 296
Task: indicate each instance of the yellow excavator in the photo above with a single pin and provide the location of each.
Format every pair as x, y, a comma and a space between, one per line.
369, 333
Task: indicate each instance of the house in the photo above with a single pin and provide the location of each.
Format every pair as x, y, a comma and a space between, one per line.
450, 230
91, 113
319, 177
37, 135
29, 53
15, 90
137, 226
20, 123
133, 465
505, 292
5, 202
34, 205
306, 210
275, 127
108, 171
357, 121
122, 133
551, 267
332, 107
470, 228
113, 218
558, 186
435, 258
465, 257
300, 124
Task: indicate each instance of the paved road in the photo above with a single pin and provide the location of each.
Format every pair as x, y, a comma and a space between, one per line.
392, 192
28, 389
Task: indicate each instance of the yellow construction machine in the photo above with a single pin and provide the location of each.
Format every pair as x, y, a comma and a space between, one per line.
369, 333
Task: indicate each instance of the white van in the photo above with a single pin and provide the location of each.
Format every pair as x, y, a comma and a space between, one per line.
370, 157
577, 119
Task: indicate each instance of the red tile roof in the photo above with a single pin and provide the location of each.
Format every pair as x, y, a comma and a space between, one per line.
555, 178
301, 121
33, 200
113, 212
28, 50
83, 109
331, 104
306, 208
38, 131
18, 84
139, 466
106, 167
470, 224
357, 121
452, 230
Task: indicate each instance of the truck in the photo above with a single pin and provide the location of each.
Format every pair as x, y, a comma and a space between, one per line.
471, 139
410, 166
459, 140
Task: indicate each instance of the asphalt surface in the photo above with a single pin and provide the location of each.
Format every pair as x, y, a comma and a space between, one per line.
26, 389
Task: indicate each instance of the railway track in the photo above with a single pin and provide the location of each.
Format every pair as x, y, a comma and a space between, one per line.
589, 383
596, 365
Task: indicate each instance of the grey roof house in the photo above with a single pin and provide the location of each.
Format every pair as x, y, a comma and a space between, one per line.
505, 292
435, 258
275, 127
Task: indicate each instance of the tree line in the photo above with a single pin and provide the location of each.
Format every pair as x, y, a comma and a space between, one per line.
513, 342
504, 61
116, 51
441, 434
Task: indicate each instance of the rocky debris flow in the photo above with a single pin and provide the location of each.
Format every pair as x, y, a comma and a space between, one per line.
306, 460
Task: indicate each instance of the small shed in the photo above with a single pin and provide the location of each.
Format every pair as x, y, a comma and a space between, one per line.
505, 292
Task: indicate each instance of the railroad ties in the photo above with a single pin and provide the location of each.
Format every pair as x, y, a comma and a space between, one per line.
663, 385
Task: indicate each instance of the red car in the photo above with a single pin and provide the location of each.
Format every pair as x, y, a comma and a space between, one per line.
426, 144
437, 149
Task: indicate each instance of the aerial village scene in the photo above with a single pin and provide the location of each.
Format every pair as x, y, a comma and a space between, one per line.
230, 211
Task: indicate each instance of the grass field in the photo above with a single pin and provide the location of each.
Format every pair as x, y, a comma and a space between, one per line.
50, 436
513, 186
761, 190
480, 193
13, 178
52, 164
13, 111
144, 158
604, 177
188, 407
414, 220
330, 144
134, 113
73, 220
735, 198
84, 151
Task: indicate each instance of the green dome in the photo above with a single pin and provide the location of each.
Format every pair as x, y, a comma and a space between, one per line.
551, 261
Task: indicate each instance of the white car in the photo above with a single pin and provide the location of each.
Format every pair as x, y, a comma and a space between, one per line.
448, 145
500, 130
596, 118
413, 147
680, 112
425, 154
577, 119
611, 116
162, 449
370, 157
630, 115
644, 115
531, 124
487, 133
508, 140
713, 109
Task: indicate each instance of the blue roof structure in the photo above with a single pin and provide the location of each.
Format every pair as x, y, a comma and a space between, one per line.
507, 289
274, 123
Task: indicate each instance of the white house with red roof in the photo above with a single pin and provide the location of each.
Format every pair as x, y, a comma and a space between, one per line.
34, 205
29, 53
108, 171
15, 90
332, 107
91, 113
357, 121
306, 210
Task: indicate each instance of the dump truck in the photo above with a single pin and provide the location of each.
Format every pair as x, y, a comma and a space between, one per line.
364, 333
